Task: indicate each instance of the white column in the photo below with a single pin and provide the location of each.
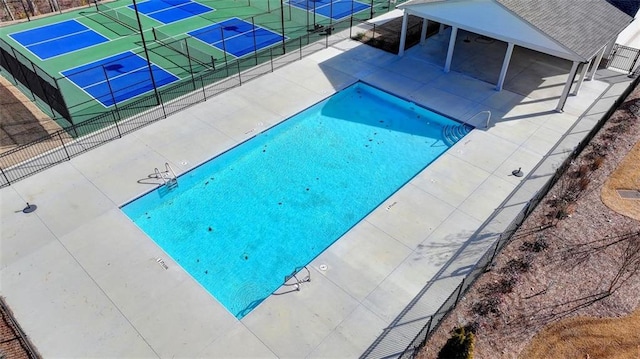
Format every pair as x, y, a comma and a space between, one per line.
403, 32
423, 34
452, 44
505, 67
441, 28
583, 73
567, 87
596, 65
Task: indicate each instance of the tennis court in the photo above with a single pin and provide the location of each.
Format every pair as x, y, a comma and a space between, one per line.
95, 64
57, 39
119, 78
237, 37
170, 11
334, 9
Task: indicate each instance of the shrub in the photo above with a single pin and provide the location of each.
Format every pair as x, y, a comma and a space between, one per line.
517, 266
536, 246
597, 162
460, 345
584, 183
582, 171
487, 306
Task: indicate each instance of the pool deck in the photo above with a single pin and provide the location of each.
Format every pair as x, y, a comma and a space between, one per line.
84, 281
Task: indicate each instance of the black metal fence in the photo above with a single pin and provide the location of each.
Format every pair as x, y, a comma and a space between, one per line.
42, 87
623, 58
487, 260
62, 145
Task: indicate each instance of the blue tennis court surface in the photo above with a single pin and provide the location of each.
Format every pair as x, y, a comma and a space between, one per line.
240, 37
335, 9
126, 74
168, 11
57, 39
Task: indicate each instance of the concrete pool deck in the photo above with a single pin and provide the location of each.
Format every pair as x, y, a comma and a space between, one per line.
84, 281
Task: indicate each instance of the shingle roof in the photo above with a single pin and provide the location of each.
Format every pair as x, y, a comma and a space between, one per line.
582, 26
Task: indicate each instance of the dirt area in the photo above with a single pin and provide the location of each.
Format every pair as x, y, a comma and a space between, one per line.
621, 192
12, 345
567, 283
16, 11
21, 121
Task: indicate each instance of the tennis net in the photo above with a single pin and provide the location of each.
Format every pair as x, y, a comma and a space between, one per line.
117, 16
182, 46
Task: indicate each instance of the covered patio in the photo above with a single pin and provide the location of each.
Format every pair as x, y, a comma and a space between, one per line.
556, 45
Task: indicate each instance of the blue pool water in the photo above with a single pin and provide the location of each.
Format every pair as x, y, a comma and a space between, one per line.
243, 221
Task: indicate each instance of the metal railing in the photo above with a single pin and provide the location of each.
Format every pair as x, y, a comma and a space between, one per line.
62, 145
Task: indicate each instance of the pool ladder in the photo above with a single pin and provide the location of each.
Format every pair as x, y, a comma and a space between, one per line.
168, 176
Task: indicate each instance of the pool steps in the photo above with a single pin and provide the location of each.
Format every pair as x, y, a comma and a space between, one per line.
454, 133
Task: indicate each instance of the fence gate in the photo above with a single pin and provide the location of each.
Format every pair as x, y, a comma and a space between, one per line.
623, 58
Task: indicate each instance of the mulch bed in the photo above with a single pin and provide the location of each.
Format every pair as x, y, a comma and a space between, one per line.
573, 256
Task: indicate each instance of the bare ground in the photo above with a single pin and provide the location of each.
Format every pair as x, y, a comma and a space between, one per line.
574, 260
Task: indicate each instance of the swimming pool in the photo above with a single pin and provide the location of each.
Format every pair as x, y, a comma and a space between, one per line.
243, 221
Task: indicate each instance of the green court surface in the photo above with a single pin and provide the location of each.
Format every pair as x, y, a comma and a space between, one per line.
170, 48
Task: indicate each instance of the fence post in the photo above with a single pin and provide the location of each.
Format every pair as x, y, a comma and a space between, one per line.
255, 45
495, 251
239, 76
459, 291
271, 58
5, 176
63, 146
633, 64
113, 98
186, 46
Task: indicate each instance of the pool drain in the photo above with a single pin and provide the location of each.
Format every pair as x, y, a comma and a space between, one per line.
323, 267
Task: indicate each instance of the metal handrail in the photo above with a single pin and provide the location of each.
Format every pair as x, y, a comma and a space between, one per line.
160, 175
169, 169
488, 118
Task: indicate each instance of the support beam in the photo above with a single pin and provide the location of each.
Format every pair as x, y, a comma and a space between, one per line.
567, 86
505, 67
596, 65
441, 28
403, 32
583, 73
423, 34
452, 44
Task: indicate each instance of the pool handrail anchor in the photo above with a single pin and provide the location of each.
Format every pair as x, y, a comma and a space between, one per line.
481, 112
298, 281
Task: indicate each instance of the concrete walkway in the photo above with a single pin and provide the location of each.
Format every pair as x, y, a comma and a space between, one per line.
83, 280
